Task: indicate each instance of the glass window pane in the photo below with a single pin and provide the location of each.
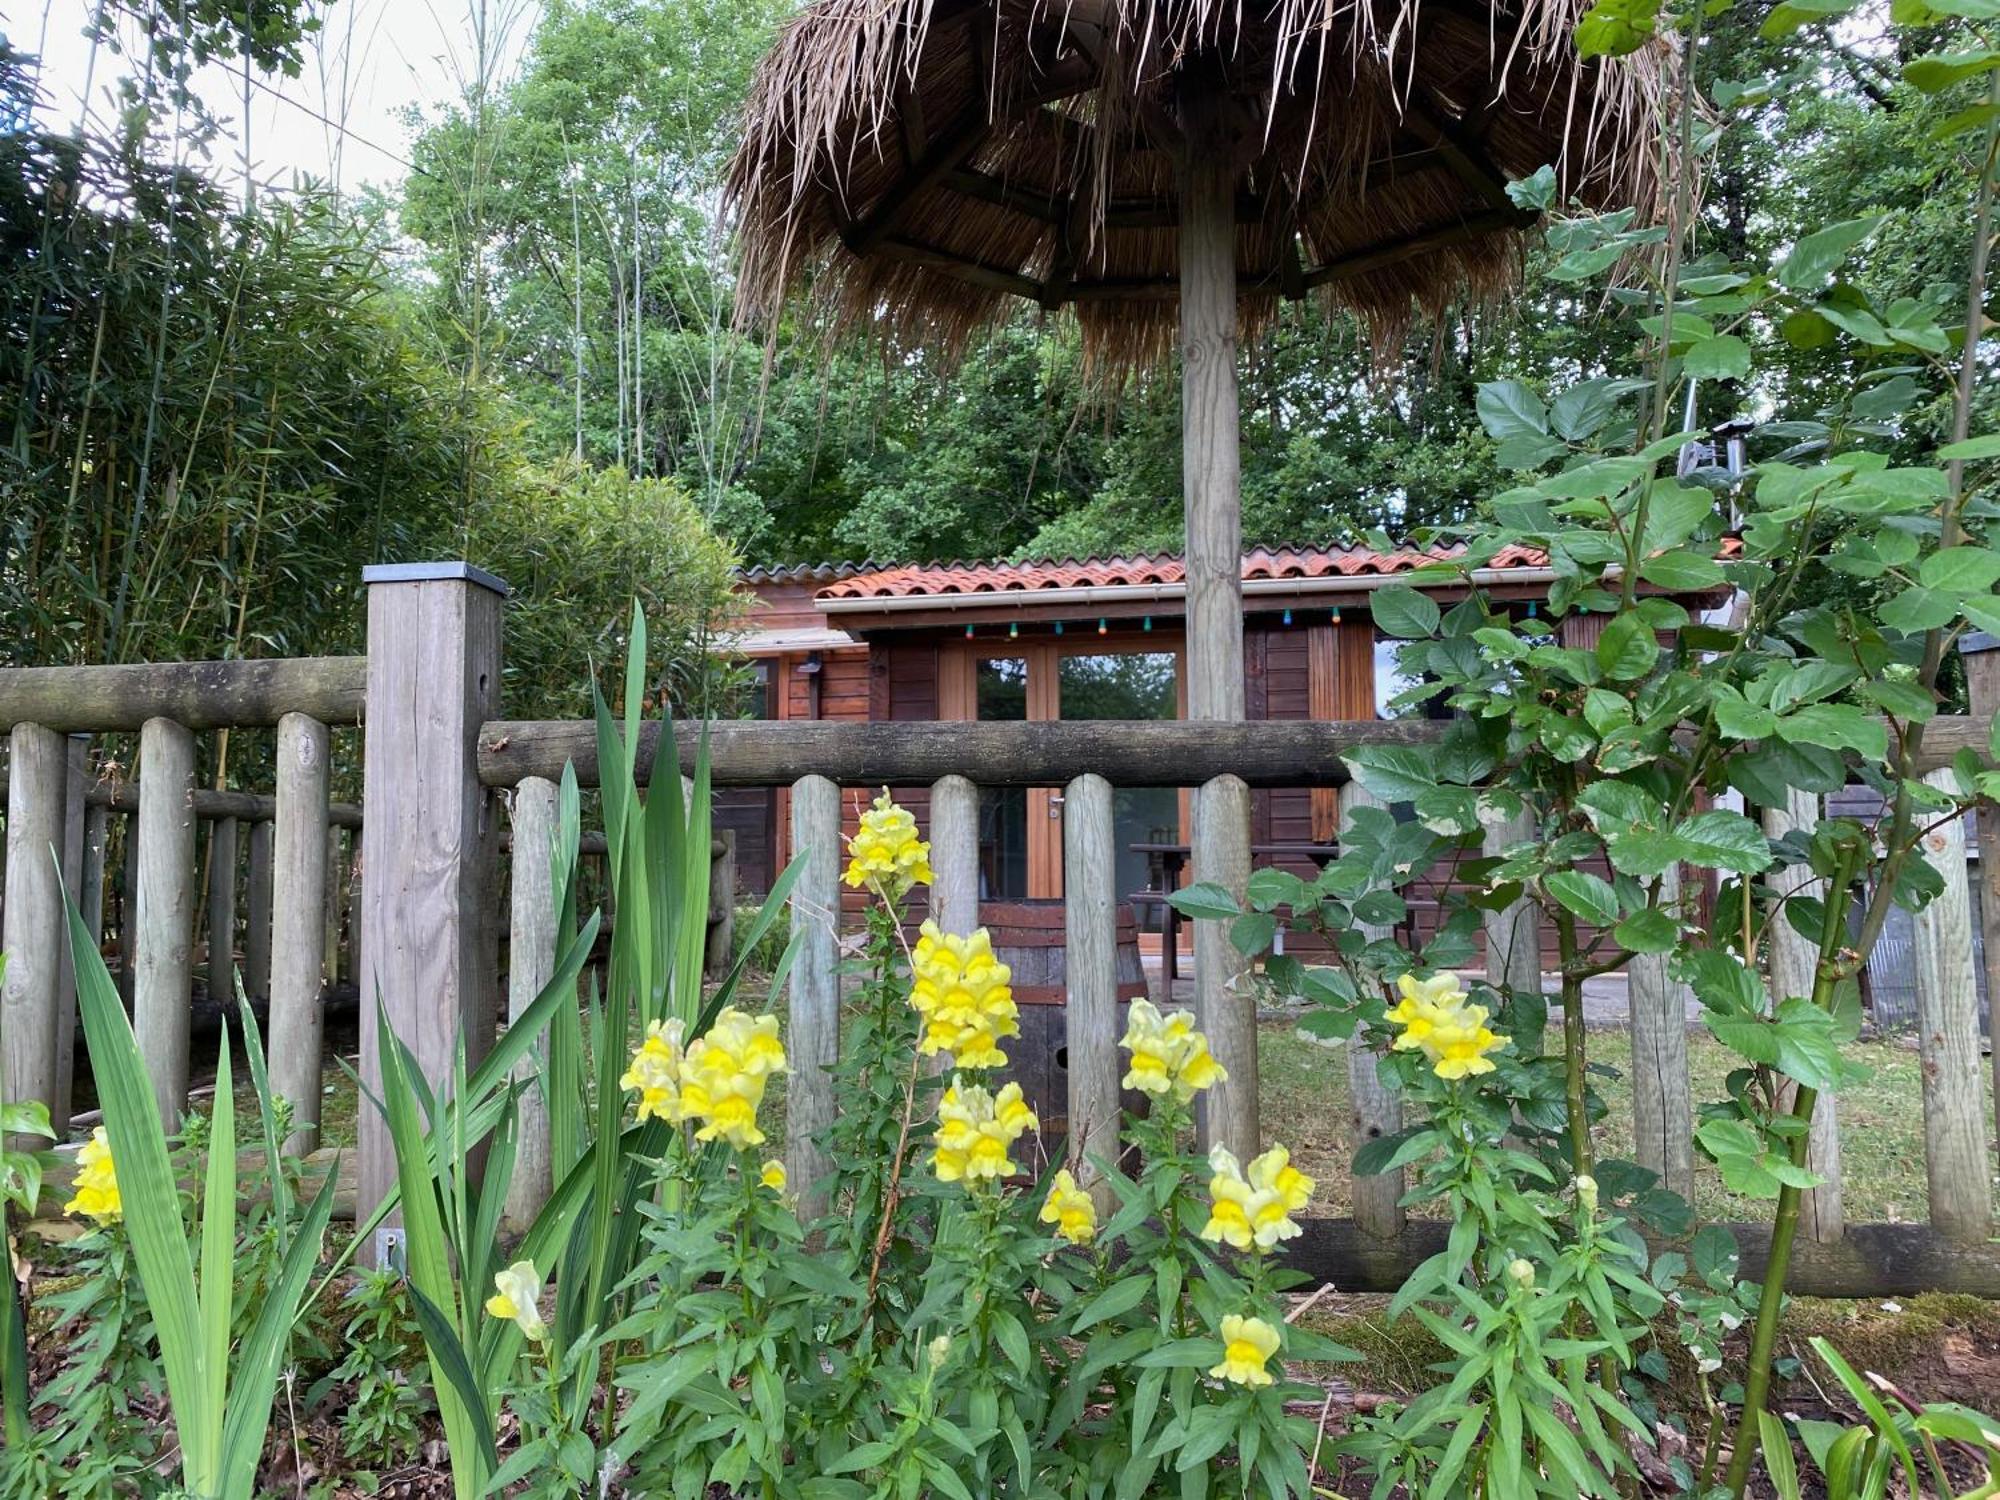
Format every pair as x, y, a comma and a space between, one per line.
1118, 685
1002, 687
1003, 843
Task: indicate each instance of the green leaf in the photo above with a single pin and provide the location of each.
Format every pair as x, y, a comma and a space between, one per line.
1206, 900
1616, 28
1647, 931
1588, 896
1815, 256
1724, 840
1960, 570
1508, 409
1937, 71
1395, 773
1789, 15
1986, 446
152, 1204
1682, 571
1404, 613
1724, 357
1628, 648
1837, 727
1918, 609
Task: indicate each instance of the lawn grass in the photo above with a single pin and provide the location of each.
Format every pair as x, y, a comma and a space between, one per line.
1304, 1097
1302, 1087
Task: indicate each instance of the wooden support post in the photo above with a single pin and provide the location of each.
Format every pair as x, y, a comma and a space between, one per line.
955, 854
814, 1044
163, 952
1662, 1093
427, 918
1378, 1110
531, 962
1514, 935
1225, 1009
128, 909
1955, 1152
1211, 423
300, 845
76, 785
222, 850
1794, 963
1981, 653
1090, 921
35, 933
257, 914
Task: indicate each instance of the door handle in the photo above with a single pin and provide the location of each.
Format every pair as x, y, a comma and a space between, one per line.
1055, 804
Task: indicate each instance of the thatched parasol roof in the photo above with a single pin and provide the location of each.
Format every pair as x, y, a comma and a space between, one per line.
922, 163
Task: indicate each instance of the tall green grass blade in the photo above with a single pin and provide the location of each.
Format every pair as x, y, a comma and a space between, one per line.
218, 1241
262, 1353
449, 1358
151, 1198
427, 1260
282, 1207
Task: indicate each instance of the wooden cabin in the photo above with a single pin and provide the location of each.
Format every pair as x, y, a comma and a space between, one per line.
1101, 638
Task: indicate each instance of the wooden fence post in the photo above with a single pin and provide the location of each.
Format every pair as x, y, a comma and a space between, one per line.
433, 838
300, 841
814, 1045
1981, 653
222, 848
719, 951
531, 961
76, 784
1948, 1041
1794, 963
1378, 1111
1662, 1095
955, 854
35, 934
1513, 935
1090, 921
163, 958
257, 913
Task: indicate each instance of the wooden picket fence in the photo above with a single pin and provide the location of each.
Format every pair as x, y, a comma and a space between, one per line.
443, 771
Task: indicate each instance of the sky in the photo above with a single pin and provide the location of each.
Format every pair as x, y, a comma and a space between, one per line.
343, 120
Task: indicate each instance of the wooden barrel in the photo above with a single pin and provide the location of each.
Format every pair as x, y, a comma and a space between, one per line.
1028, 937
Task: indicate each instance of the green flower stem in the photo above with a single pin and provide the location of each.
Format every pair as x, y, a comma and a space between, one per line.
1785, 1227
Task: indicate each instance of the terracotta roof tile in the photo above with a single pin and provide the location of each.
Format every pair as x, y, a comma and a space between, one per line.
917, 580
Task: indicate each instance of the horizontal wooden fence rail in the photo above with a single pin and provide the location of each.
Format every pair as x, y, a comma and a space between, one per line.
1263, 753
194, 694
175, 833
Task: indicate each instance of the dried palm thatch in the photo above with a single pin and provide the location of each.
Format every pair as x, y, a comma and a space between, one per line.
920, 163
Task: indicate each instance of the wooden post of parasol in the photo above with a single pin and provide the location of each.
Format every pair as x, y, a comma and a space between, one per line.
1211, 485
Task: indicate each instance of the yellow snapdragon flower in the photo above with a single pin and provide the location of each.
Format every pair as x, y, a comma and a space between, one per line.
1273, 1172
886, 852
1434, 1015
1254, 1211
655, 1073
718, 1079
1168, 1055
517, 1294
773, 1176
96, 1182
976, 1130
1070, 1209
961, 991
1247, 1344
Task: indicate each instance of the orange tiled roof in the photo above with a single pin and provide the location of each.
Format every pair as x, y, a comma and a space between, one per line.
916, 580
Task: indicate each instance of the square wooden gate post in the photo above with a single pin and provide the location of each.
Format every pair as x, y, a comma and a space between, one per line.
428, 931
